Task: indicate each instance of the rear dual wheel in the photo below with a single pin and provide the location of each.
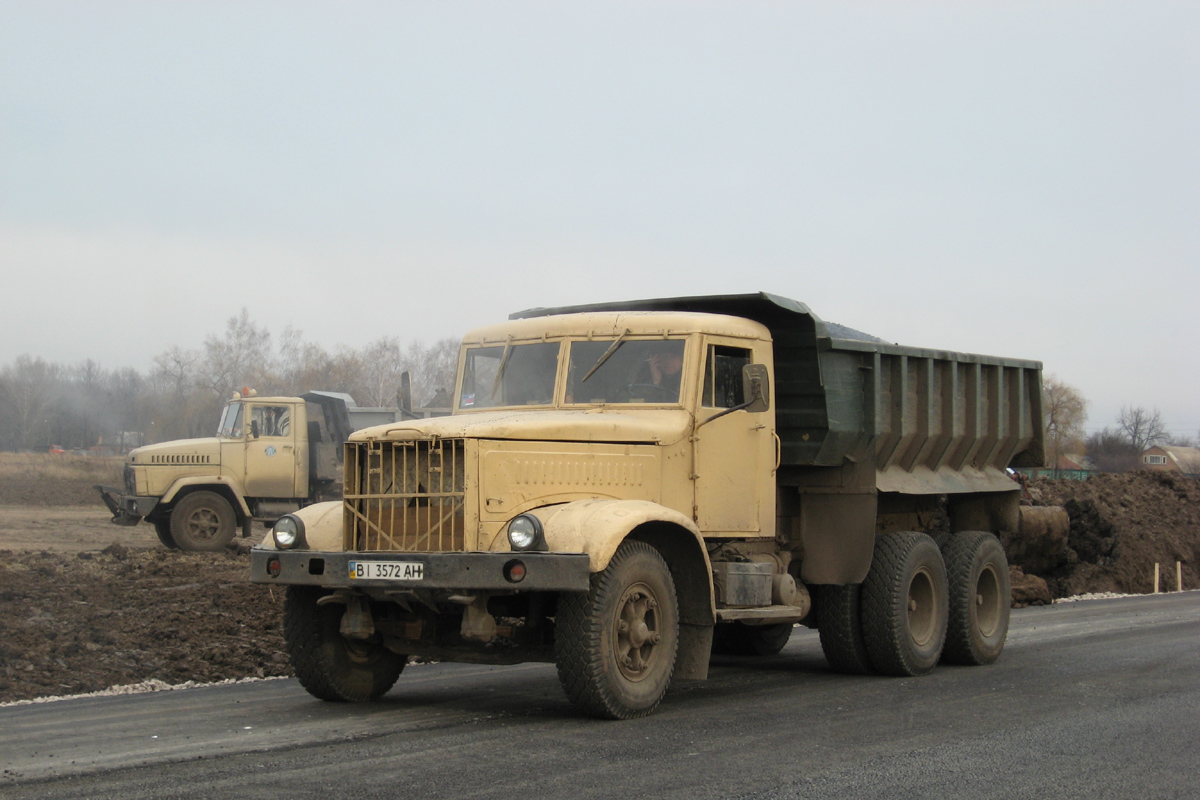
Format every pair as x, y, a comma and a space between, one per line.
980, 598
740, 639
905, 605
839, 622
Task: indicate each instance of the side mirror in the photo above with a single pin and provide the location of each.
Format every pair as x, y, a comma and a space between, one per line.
756, 387
254, 428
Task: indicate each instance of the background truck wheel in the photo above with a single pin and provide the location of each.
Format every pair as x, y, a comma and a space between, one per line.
904, 604
739, 639
162, 526
840, 625
328, 665
615, 646
203, 521
980, 598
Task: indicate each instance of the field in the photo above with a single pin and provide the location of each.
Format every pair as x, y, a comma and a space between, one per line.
86, 605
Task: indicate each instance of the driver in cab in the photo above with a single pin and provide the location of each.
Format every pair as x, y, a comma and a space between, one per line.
665, 371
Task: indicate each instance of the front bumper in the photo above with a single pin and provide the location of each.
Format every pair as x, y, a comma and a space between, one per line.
126, 509
480, 571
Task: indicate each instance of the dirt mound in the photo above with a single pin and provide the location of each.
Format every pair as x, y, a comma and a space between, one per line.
1121, 525
79, 623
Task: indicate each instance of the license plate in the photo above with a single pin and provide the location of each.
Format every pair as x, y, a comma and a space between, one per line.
387, 570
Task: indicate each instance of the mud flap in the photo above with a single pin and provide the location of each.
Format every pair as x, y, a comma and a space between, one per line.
695, 649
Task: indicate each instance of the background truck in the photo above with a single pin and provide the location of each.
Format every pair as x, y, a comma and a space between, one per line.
624, 488
271, 455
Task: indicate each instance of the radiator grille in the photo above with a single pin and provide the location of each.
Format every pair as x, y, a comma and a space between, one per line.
405, 496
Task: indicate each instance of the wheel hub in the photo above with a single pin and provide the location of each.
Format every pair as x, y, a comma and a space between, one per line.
637, 632
203, 524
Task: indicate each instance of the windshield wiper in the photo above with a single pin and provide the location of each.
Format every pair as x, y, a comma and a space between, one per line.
500, 369
612, 348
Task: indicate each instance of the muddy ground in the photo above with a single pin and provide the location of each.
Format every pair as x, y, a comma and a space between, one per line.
86, 605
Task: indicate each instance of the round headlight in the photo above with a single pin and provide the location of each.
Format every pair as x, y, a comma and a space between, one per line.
525, 532
288, 532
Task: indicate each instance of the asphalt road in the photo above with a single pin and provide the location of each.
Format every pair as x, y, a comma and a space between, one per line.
1098, 699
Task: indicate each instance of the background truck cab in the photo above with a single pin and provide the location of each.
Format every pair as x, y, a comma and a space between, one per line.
270, 455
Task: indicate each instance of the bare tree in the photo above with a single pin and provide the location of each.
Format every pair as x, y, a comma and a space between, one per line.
242, 357
28, 390
1111, 451
432, 369
1065, 413
382, 363
1141, 428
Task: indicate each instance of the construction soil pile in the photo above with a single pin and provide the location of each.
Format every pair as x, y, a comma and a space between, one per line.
86, 605
1121, 526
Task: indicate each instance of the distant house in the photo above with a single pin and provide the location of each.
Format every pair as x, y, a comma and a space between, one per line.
1165, 458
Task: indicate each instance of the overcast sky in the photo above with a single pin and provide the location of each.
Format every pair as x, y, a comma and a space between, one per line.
1018, 179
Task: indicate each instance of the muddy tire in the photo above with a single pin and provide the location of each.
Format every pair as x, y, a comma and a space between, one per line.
163, 528
980, 598
904, 604
739, 639
328, 665
615, 645
203, 521
839, 623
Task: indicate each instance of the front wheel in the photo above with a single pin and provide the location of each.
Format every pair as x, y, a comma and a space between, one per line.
980, 598
203, 521
615, 645
162, 526
904, 604
328, 665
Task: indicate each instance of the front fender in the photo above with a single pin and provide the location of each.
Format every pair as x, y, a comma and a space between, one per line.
597, 527
209, 480
322, 527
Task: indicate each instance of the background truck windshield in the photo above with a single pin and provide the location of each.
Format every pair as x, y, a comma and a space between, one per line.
638, 371
230, 426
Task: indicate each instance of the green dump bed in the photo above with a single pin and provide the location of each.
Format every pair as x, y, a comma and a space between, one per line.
930, 421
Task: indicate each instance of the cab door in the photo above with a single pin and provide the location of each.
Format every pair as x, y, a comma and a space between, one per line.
270, 450
734, 454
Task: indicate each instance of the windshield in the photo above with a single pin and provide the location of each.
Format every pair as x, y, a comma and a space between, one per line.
523, 377
637, 371
230, 426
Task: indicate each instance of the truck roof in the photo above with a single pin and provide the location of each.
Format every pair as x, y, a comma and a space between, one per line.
612, 323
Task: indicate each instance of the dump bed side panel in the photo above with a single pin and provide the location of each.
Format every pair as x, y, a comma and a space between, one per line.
932, 422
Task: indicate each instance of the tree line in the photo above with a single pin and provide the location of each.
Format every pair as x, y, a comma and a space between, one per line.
83, 405
1116, 448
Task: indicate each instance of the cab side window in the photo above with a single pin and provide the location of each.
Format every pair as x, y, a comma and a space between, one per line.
723, 376
270, 421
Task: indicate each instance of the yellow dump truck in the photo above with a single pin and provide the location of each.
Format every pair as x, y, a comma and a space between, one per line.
270, 455
623, 488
